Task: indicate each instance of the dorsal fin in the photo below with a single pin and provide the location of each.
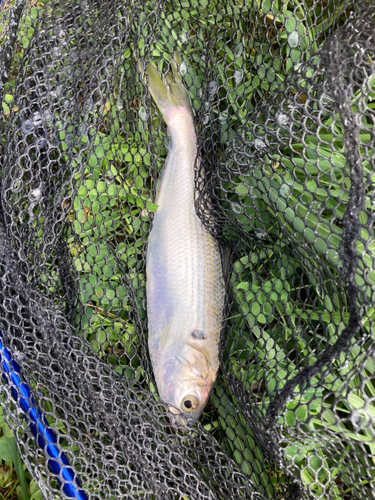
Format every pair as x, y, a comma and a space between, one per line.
225, 254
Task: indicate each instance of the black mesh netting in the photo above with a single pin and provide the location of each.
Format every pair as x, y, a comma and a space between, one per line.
284, 99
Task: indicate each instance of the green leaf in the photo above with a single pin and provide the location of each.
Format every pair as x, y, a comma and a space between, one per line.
243, 286
152, 207
5, 108
93, 161
290, 419
301, 413
9, 448
307, 477
4, 450
36, 494
241, 189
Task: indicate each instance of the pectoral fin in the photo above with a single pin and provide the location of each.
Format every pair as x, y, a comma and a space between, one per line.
158, 184
164, 336
194, 360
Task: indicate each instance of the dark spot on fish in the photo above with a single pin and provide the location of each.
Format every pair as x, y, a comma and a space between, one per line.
199, 335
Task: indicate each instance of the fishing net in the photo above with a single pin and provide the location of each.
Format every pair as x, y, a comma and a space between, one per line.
283, 93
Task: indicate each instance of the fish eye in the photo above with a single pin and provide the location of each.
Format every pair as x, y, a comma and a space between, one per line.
190, 404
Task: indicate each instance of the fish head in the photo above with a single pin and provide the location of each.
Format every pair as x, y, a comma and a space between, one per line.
185, 380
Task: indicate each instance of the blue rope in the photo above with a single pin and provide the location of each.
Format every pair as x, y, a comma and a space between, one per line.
46, 438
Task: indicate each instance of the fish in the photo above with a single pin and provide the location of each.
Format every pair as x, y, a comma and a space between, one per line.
185, 284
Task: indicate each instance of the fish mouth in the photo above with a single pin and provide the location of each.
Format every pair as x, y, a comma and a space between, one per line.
177, 417
180, 421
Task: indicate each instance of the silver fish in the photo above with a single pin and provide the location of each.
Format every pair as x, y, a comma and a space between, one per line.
185, 283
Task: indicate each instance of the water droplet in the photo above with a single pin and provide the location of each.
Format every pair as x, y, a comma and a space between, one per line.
238, 49
57, 199
18, 355
68, 71
60, 34
282, 119
237, 209
284, 190
259, 144
212, 87
326, 101
142, 114
293, 39
88, 105
48, 118
57, 92
17, 184
183, 69
238, 76
252, 191
36, 194
41, 143
37, 119
56, 52
27, 126
298, 330
360, 418
315, 206
260, 234
223, 117
82, 129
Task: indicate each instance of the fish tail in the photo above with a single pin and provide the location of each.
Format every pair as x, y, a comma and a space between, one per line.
170, 92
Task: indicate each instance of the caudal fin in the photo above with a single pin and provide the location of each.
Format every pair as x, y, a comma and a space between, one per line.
167, 93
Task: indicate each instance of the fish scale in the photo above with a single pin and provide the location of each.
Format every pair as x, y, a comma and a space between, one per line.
185, 285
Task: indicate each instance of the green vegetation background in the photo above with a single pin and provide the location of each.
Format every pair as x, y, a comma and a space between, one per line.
110, 218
